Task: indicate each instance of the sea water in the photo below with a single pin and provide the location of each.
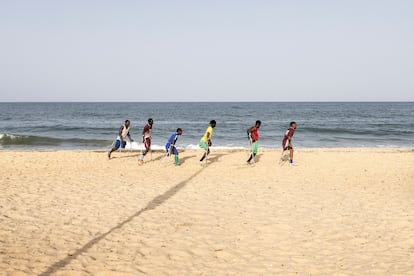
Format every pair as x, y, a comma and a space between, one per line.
94, 126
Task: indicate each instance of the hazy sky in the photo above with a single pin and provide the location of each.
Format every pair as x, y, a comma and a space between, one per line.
206, 50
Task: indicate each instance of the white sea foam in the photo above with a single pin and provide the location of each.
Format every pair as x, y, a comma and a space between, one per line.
7, 136
140, 146
10, 136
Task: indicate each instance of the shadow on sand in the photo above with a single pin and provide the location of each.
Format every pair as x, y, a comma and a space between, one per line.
182, 160
214, 157
157, 201
125, 156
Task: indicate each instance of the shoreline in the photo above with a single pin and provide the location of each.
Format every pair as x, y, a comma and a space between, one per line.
220, 149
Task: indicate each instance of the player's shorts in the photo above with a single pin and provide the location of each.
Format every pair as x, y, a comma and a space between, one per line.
288, 148
203, 144
118, 144
147, 143
174, 150
255, 147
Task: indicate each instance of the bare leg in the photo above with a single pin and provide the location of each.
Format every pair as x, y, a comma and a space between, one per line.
145, 152
205, 155
147, 145
251, 157
141, 158
110, 152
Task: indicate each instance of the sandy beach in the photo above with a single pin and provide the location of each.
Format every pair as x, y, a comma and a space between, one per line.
338, 212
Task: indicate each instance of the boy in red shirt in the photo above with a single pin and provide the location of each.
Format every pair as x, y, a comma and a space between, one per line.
253, 134
146, 139
287, 141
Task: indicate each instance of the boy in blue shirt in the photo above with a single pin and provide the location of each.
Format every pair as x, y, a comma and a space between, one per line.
170, 146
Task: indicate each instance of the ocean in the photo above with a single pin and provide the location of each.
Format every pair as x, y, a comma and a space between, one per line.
94, 126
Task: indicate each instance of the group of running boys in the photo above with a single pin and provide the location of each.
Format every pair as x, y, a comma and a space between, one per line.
205, 141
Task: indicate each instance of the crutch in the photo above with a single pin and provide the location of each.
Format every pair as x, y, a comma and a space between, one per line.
166, 155
151, 148
206, 153
284, 149
251, 148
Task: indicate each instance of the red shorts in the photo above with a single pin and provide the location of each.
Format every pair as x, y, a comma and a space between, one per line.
147, 143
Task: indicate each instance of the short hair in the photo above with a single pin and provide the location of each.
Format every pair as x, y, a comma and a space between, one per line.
212, 122
127, 121
292, 123
258, 122
150, 120
179, 129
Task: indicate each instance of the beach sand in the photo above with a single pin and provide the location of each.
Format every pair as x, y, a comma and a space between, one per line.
338, 212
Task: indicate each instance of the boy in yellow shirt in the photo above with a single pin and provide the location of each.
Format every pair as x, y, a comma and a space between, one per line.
205, 141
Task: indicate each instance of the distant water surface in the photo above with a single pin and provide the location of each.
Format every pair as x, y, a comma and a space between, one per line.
95, 125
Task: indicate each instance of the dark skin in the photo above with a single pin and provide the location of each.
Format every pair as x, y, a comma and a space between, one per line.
150, 122
252, 140
208, 142
173, 143
127, 124
250, 130
290, 144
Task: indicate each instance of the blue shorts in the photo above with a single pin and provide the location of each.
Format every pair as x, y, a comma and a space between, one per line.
174, 150
120, 144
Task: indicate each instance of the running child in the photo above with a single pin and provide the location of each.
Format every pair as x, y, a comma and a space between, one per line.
287, 141
205, 142
146, 139
253, 134
121, 138
170, 146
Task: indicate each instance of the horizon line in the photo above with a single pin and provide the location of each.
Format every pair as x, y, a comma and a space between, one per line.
212, 101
